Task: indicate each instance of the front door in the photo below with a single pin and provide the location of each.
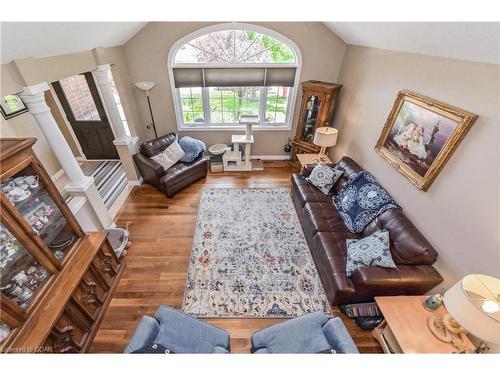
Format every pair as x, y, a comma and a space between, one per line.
84, 110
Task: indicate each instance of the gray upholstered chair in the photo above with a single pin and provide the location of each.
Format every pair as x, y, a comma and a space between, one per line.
178, 332
310, 333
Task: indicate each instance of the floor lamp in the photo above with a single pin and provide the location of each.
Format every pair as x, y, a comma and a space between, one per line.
146, 86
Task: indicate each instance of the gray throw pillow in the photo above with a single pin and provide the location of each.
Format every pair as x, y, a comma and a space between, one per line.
324, 177
370, 251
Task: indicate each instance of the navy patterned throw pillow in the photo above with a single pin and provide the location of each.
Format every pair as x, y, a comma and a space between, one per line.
361, 200
192, 148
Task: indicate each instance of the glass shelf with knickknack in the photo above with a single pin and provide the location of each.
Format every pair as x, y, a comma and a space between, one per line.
310, 118
5, 330
21, 275
32, 200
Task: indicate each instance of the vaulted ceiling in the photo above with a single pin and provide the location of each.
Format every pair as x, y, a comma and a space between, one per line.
474, 41
41, 39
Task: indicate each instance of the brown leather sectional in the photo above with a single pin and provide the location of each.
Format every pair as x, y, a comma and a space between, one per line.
326, 235
177, 177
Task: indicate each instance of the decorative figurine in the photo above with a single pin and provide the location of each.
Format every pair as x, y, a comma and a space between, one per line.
434, 302
20, 278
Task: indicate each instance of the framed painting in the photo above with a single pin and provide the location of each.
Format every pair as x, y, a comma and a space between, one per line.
420, 135
12, 106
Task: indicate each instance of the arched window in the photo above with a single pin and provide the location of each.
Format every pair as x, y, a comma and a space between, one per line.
224, 71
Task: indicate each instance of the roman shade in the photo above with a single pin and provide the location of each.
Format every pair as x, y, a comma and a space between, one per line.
229, 77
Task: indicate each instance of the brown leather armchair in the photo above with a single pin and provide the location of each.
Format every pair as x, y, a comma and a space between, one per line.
326, 234
177, 177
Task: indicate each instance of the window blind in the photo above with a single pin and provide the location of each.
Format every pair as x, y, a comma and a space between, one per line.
229, 77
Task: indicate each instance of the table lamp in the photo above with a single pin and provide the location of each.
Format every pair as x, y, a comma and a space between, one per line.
325, 137
474, 302
146, 86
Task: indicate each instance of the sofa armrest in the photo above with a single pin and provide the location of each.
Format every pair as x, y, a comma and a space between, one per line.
150, 170
406, 279
144, 334
338, 337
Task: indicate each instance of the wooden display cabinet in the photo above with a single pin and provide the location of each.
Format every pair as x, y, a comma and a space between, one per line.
55, 279
317, 108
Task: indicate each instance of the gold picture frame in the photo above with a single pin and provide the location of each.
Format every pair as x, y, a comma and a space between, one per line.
420, 135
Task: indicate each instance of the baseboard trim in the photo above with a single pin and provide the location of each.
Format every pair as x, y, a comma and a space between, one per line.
270, 157
136, 183
58, 174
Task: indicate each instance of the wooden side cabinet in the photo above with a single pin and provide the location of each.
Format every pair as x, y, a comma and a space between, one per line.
55, 280
319, 100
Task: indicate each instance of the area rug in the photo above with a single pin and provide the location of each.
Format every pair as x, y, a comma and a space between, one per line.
250, 258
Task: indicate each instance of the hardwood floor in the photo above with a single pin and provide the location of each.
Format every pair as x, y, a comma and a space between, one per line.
157, 262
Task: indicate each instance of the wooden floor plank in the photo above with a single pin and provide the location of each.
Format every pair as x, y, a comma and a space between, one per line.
162, 231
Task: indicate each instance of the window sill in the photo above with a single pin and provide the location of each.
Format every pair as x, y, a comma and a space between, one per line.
215, 128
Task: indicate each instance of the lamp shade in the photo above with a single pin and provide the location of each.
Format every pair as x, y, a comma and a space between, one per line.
325, 136
144, 86
474, 303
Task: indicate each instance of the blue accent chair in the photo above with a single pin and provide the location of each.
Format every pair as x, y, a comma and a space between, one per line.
179, 332
310, 333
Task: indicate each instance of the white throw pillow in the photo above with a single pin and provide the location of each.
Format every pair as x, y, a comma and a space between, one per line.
171, 155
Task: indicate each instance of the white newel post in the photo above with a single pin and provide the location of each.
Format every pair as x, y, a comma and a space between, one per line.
79, 184
125, 144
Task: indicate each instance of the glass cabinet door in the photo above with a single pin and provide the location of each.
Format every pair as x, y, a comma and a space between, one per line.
310, 118
25, 190
21, 276
5, 330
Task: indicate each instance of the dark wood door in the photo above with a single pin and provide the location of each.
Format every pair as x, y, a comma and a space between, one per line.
84, 110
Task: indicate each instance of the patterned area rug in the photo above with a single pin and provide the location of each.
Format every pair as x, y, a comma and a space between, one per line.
250, 258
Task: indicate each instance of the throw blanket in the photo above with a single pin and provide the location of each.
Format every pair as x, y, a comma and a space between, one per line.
362, 200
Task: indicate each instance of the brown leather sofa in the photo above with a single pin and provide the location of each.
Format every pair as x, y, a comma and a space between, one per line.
326, 235
177, 177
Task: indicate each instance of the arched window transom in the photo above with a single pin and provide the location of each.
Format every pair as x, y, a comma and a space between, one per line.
225, 71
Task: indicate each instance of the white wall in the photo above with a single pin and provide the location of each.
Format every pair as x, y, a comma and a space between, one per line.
460, 212
322, 53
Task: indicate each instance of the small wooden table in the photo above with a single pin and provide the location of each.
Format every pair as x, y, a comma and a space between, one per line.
405, 329
306, 159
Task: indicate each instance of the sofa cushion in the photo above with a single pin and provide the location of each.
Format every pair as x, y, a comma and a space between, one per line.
361, 200
405, 279
321, 217
329, 252
304, 192
350, 168
171, 155
323, 177
370, 251
192, 148
157, 145
408, 245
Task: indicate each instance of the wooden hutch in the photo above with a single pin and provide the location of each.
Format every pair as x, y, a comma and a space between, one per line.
56, 281
317, 108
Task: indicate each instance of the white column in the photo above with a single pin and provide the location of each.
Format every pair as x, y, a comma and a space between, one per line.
115, 119
125, 144
79, 184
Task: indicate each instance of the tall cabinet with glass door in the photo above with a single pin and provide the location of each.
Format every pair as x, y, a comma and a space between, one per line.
39, 236
319, 100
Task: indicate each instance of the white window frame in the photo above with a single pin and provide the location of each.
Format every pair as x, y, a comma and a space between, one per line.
207, 125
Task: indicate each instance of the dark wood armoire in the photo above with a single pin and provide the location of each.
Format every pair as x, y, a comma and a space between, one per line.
56, 280
317, 108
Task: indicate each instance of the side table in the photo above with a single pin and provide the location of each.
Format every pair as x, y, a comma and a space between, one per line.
305, 159
405, 330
